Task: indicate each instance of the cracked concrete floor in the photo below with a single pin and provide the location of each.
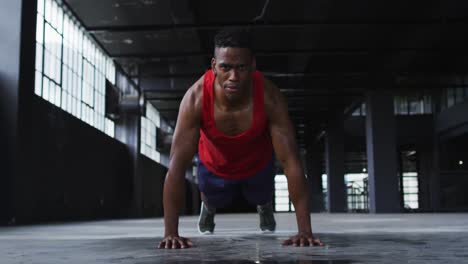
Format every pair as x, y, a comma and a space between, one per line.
349, 238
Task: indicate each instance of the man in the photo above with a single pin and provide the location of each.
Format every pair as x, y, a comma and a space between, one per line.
235, 118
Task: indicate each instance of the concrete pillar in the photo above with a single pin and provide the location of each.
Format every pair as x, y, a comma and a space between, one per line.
17, 54
127, 131
334, 160
384, 194
434, 181
425, 167
314, 180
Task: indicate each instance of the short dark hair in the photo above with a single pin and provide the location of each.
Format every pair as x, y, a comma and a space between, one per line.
234, 37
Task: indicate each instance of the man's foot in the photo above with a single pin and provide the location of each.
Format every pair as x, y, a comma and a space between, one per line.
206, 223
267, 219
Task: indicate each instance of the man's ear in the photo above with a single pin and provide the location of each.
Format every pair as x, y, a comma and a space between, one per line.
213, 65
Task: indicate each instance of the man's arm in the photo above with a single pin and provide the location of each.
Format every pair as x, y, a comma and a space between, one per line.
286, 151
184, 146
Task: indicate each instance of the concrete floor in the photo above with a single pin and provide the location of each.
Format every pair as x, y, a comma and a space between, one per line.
350, 238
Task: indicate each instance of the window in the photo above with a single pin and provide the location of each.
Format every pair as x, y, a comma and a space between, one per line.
357, 195
357, 191
325, 189
410, 190
70, 70
400, 105
149, 124
416, 106
455, 95
360, 111
412, 105
282, 201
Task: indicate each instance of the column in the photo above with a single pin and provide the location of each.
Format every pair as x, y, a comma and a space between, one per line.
384, 196
334, 160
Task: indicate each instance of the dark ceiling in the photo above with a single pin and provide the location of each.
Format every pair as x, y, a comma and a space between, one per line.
323, 54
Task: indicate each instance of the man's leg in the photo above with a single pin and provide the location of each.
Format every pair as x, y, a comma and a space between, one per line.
206, 223
215, 192
258, 190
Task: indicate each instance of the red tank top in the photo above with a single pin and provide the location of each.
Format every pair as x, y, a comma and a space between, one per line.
239, 156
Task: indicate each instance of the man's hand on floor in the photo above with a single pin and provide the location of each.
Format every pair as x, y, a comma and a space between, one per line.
174, 242
303, 240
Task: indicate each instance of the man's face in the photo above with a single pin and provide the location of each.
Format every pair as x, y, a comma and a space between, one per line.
233, 68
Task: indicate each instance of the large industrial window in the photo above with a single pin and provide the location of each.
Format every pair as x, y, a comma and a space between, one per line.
412, 105
325, 190
282, 201
70, 69
453, 96
404, 105
149, 124
360, 111
410, 190
357, 194
356, 190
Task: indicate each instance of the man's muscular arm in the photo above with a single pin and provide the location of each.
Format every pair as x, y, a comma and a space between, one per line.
184, 146
286, 150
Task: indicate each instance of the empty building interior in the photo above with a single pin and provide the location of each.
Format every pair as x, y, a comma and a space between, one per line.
90, 92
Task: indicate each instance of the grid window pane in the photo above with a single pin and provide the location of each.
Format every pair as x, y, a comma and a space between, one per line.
60, 77
64, 100
48, 11
410, 190
74, 106
40, 6
282, 201
69, 102
57, 95
51, 92
39, 50
38, 83
47, 59
148, 132
58, 72
60, 20
415, 107
79, 112
51, 71
45, 88
53, 16
40, 29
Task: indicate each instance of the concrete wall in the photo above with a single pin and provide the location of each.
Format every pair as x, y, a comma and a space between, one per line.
152, 177
74, 171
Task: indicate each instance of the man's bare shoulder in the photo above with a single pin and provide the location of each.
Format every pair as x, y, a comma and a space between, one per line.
272, 94
194, 95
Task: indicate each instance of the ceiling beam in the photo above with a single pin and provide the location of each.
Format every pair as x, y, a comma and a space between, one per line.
301, 23
156, 56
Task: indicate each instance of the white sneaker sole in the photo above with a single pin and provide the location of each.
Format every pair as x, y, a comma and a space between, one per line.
198, 227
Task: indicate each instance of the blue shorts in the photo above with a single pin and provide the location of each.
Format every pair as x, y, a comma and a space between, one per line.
220, 192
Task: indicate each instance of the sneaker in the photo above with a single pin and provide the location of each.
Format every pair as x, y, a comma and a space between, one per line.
267, 219
206, 223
